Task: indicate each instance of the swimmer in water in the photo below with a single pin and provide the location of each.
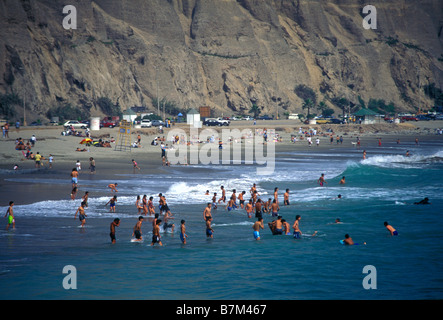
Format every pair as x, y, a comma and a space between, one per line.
348, 240
10, 215
424, 201
286, 227
321, 181
390, 229
114, 224
113, 187
256, 227
295, 226
209, 230
156, 234
137, 231
81, 214
111, 203
183, 235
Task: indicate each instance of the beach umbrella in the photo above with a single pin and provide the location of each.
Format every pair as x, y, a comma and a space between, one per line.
86, 140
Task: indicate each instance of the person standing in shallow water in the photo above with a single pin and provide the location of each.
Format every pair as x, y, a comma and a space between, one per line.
321, 181
114, 224
10, 215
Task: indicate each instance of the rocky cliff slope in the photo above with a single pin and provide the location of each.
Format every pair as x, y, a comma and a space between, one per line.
225, 54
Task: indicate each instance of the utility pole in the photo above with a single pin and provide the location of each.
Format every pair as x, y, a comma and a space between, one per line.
158, 101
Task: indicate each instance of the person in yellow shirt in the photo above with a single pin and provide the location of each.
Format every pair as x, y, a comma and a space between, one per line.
37, 159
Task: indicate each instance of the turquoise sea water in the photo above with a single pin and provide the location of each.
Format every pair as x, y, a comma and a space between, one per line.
233, 265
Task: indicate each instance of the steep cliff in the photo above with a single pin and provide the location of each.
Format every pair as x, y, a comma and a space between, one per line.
225, 54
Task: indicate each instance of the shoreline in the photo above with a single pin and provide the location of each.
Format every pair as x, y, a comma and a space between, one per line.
110, 163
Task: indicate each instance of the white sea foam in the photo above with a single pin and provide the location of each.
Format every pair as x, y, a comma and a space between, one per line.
403, 161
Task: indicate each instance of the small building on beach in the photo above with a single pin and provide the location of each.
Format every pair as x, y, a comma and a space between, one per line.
367, 116
129, 115
193, 117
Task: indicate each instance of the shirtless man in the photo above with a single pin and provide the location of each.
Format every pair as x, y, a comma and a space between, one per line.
256, 227
321, 181
207, 212
183, 234
249, 208
254, 197
10, 215
274, 208
231, 205
286, 198
214, 200
81, 214
137, 231
223, 197
277, 226
276, 194
111, 203
114, 224
348, 240
209, 230
258, 205
390, 229
286, 227
241, 199
234, 197
165, 208
74, 177
113, 187
295, 226
253, 189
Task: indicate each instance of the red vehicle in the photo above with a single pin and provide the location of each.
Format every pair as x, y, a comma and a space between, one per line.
109, 122
409, 118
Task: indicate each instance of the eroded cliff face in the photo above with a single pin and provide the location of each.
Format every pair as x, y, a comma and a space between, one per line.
225, 54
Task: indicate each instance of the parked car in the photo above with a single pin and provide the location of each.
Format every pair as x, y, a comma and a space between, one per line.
156, 123
409, 118
212, 122
75, 124
248, 118
108, 124
322, 120
439, 117
223, 121
335, 121
146, 123
423, 117
265, 117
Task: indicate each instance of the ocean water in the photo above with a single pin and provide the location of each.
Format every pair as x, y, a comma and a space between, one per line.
233, 265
